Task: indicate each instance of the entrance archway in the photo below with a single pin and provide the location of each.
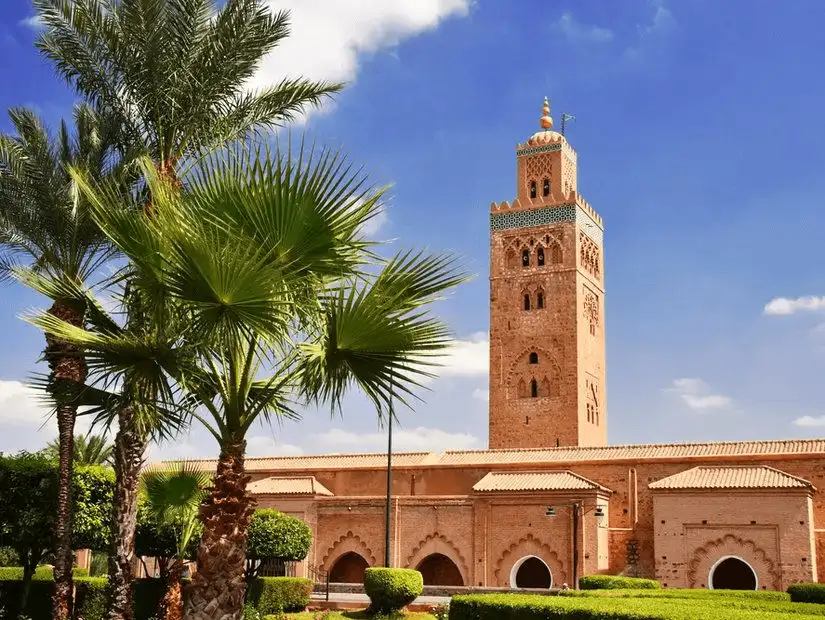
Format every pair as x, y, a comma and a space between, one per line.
349, 568
439, 570
531, 572
732, 573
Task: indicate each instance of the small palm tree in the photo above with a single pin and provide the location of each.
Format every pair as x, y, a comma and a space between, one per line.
263, 254
174, 74
88, 449
172, 498
45, 225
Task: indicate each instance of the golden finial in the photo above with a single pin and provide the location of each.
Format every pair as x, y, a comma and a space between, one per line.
545, 121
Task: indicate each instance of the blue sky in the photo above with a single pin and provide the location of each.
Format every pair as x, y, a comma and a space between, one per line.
700, 139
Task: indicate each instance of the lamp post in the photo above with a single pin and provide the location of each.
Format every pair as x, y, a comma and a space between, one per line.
578, 510
389, 485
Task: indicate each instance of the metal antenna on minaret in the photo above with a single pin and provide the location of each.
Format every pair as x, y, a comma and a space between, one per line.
564, 119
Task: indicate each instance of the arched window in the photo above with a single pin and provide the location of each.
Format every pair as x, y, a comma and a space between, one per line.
540, 257
534, 388
525, 257
589, 413
545, 188
526, 301
540, 301
555, 254
534, 358
532, 189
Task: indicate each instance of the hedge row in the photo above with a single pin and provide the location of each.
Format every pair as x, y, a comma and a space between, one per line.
272, 595
90, 602
807, 592
535, 607
9, 573
614, 582
761, 595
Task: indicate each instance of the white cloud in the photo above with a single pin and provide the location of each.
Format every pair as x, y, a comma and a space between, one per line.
34, 22
783, 306
329, 39
482, 394
810, 421
696, 394
21, 405
376, 223
579, 33
466, 358
261, 445
662, 20
403, 440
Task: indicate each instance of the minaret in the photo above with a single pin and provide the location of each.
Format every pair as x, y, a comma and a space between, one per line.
547, 346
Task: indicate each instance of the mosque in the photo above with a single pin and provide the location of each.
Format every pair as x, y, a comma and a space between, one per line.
551, 500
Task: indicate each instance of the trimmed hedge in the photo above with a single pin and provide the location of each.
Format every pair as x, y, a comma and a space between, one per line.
536, 607
392, 589
272, 595
89, 603
807, 592
15, 573
761, 595
616, 582
90, 598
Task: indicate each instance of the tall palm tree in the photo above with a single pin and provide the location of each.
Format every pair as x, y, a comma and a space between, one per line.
173, 497
44, 223
264, 255
88, 449
174, 72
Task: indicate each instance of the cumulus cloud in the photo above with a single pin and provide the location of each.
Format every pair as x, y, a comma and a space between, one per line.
784, 306
466, 358
329, 39
404, 440
580, 33
697, 395
262, 445
21, 405
810, 421
34, 22
661, 21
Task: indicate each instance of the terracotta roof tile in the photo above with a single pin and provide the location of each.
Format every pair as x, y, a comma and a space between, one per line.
305, 485
320, 461
635, 452
534, 481
731, 478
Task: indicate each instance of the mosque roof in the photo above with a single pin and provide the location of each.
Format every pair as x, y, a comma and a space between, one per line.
498, 481
731, 478
274, 485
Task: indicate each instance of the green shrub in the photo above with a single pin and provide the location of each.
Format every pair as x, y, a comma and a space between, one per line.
38, 605
273, 534
8, 557
615, 582
535, 607
269, 595
90, 598
13, 573
807, 592
761, 595
392, 589
79, 572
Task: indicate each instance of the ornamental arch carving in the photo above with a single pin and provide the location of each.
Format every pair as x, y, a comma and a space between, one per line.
528, 546
438, 543
347, 543
706, 557
545, 371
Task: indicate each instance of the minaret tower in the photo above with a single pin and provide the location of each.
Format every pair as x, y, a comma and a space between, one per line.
547, 346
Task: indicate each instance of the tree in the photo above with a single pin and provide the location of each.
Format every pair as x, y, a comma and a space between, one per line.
174, 74
88, 449
275, 536
173, 497
44, 224
263, 253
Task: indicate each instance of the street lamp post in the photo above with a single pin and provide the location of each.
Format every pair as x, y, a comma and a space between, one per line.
578, 510
389, 486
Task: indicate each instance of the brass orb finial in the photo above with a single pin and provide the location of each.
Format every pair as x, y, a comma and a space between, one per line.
545, 121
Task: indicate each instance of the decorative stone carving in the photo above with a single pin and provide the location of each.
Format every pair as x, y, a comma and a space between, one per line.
705, 557
590, 256
346, 543
591, 311
528, 545
438, 543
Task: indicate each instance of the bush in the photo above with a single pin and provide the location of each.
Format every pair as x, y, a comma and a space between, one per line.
807, 592
270, 595
38, 604
650, 607
15, 573
392, 589
615, 582
90, 598
8, 557
762, 595
273, 534
79, 572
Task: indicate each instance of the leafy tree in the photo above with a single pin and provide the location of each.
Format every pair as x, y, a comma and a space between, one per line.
172, 498
263, 253
89, 449
175, 75
275, 536
44, 224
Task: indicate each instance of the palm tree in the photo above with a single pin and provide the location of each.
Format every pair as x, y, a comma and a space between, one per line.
88, 449
174, 73
172, 498
44, 224
263, 253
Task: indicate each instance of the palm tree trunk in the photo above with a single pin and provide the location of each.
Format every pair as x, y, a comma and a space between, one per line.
172, 600
67, 366
130, 446
218, 586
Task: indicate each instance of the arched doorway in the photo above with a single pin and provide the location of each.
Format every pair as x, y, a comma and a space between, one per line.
732, 573
349, 568
439, 570
531, 572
